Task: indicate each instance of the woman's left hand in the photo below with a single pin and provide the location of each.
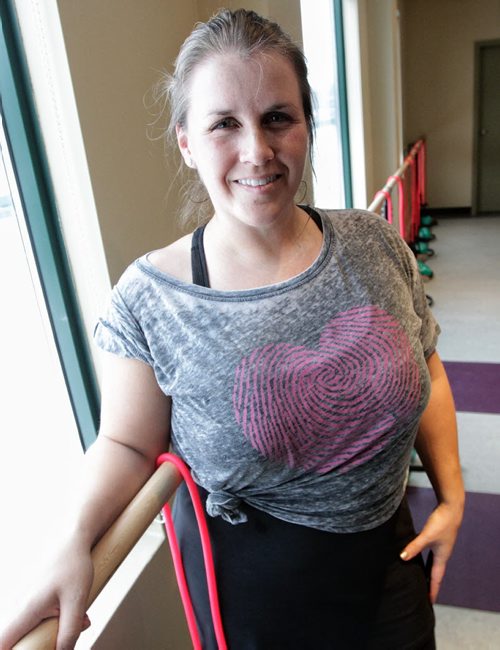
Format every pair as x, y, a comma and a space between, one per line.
438, 535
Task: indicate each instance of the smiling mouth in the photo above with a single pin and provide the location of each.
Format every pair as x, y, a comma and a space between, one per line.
258, 182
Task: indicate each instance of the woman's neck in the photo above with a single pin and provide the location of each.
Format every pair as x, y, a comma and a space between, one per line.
244, 257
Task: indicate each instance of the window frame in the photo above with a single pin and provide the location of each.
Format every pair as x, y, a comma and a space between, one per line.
43, 225
334, 67
343, 103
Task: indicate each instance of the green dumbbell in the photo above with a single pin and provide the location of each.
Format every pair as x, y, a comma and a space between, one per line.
422, 247
425, 234
424, 269
427, 220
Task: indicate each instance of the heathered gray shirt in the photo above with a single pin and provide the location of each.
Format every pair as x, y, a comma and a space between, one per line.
301, 398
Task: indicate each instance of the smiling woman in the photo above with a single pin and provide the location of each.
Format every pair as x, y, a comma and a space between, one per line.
239, 138
288, 355
248, 144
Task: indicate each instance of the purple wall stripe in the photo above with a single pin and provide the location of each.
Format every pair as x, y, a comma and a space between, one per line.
476, 386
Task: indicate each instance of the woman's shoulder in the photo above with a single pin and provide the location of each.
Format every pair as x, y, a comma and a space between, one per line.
355, 217
358, 223
368, 233
174, 259
170, 262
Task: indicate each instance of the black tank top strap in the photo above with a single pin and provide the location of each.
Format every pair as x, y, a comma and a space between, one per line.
198, 261
313, 214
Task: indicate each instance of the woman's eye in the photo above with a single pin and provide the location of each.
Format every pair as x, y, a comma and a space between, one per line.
226, 123
277, 118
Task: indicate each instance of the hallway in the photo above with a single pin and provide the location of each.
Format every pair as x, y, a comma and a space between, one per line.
466, 293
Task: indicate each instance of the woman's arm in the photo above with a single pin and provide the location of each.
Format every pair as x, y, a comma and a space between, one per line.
135, 429
437, 447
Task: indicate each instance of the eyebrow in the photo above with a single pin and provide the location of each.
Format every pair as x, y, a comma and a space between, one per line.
224, 112
280, 107
220, 112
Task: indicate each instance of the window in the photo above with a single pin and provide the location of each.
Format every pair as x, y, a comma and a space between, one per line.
48, 395
323, 47
39, 445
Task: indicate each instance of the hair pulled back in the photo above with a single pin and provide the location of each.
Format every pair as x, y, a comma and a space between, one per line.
243, 32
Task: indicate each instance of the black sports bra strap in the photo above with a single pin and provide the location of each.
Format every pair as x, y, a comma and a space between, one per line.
198, 261
314, 215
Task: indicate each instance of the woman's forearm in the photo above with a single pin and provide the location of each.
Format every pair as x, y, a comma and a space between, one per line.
437, 439
112, 474
135, 429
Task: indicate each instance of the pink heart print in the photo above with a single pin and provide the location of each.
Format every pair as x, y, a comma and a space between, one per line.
335, 406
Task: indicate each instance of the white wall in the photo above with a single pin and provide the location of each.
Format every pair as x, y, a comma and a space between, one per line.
438, 76
381, 66
116, 50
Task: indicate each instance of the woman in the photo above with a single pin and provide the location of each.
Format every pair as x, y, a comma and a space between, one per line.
298, 352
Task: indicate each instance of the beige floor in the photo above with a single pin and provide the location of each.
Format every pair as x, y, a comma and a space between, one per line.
466, 293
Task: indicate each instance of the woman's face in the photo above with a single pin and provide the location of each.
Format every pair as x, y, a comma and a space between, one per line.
247, 136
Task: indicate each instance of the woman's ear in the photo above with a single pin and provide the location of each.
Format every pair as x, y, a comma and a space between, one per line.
182, 141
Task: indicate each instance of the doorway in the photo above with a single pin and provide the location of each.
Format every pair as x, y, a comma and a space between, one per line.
486, 185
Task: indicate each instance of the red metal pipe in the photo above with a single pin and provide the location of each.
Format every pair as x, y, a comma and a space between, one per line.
415, 210
422, 174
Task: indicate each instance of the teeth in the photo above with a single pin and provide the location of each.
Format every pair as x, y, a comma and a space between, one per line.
256, 182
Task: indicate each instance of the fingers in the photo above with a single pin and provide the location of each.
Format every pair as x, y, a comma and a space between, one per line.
413, 549
67, 637
60, 604
27, 620
436, 578
72, 622
437, 559
439, 534
435, 566
11, 635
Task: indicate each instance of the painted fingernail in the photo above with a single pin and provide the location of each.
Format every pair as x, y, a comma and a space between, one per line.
403, 555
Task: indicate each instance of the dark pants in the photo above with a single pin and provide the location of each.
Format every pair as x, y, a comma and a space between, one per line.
288, 587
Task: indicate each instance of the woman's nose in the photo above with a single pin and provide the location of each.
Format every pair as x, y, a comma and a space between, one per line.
256, 147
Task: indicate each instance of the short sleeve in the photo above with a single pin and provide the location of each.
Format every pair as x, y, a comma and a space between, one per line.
119, 332
429, 330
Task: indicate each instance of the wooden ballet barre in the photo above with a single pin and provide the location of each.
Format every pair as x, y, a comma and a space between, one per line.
114, 546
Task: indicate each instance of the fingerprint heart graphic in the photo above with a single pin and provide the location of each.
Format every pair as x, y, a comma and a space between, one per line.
335, 406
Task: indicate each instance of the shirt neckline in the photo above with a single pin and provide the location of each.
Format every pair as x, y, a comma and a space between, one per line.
145, 265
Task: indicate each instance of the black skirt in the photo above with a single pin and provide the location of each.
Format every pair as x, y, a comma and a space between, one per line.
288, 587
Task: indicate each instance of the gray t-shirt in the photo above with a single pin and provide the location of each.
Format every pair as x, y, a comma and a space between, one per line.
301, 398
